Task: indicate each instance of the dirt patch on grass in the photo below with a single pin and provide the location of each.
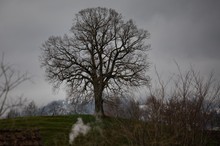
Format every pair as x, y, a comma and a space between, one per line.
18, 137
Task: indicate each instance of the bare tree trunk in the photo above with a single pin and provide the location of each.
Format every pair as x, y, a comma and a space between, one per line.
99, 111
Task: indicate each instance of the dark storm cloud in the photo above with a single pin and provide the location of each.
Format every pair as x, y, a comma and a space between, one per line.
204, 30
185, 30
189, 27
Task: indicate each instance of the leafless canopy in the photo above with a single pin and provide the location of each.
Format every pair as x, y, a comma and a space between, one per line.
103, 53
9, 80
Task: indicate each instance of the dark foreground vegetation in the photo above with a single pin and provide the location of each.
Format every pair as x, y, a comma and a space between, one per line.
110, 132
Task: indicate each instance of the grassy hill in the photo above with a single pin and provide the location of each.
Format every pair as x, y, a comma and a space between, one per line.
111, 132
53, 130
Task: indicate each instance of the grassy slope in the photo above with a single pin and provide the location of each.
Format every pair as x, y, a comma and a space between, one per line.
55, 130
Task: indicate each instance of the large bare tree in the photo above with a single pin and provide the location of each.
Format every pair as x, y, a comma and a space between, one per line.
102, 54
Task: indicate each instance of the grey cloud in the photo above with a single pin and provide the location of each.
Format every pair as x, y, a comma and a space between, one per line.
185, 30
186, 27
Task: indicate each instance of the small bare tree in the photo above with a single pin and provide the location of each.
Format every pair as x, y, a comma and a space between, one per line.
13, 113
31, 109
9, 80
103, 54
56, 108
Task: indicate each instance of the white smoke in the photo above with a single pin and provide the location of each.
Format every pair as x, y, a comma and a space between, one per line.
78, 128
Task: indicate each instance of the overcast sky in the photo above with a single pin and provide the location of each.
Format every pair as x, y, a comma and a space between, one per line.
187, 31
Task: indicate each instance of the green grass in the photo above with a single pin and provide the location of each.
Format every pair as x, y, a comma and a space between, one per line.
55, 130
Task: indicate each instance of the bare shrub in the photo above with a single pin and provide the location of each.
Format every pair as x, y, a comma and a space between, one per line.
178, 113
9, 80
185, 112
